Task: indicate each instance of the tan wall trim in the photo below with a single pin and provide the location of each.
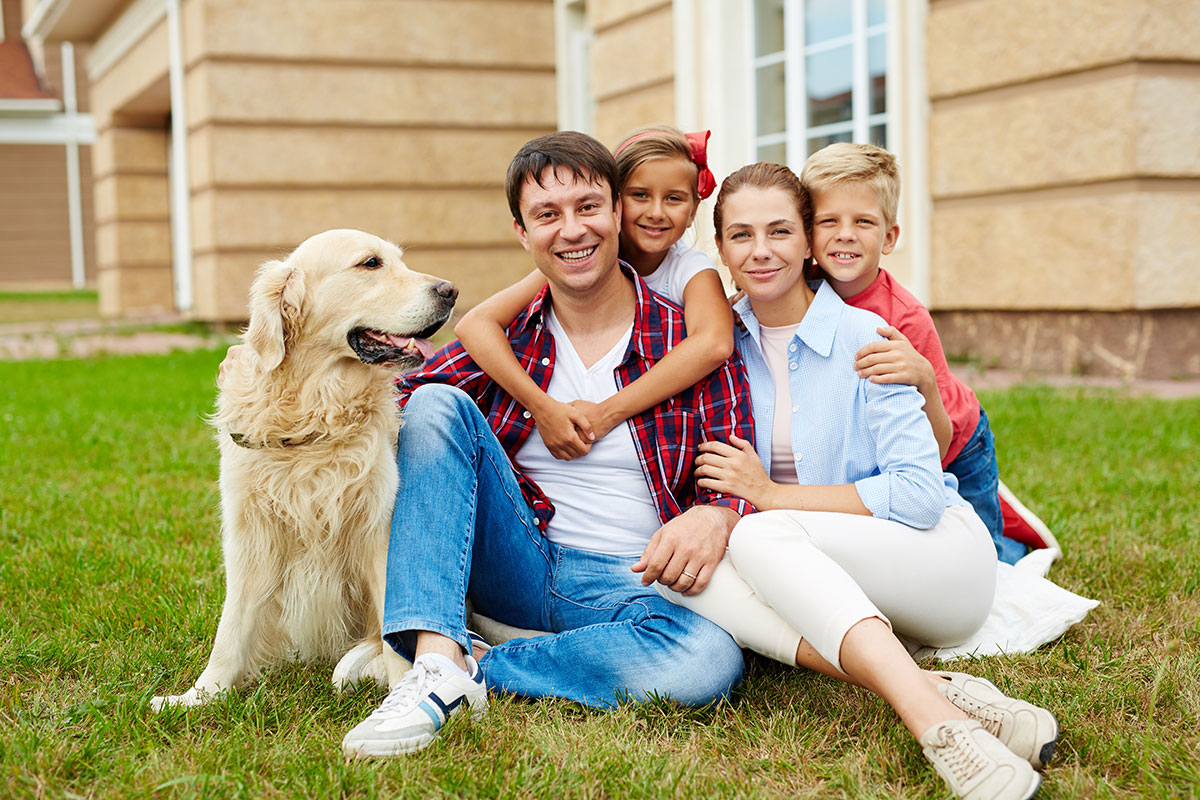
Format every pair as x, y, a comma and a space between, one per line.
1083, 77
1081, 190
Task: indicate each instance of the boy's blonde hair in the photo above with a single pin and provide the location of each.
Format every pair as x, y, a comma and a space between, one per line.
647, 143
844, 162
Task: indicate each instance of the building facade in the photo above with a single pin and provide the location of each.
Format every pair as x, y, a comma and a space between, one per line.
1050, 212
46, 229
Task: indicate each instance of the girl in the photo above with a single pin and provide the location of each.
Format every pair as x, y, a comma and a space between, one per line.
859, 532
662, 177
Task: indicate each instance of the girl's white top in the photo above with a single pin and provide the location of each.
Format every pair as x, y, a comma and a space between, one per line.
681, 265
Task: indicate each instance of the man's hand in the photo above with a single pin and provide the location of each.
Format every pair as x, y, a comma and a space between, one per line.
895, 361
597, 417
231, 357
683, 553
565, 430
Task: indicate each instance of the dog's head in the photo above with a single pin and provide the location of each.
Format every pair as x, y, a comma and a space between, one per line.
346, 293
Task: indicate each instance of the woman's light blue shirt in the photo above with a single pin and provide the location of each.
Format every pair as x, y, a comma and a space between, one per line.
846, 429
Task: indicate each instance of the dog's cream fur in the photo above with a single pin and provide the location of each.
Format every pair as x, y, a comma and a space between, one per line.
306, 499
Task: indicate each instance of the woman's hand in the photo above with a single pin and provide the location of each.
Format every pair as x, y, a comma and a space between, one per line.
566, 431
734, 469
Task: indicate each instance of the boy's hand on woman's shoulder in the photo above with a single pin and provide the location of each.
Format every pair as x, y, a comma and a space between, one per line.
895, 360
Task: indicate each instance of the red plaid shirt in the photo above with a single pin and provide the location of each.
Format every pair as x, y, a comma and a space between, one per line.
665, 436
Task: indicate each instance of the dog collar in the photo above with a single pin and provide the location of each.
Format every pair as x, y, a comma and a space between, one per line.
242, 441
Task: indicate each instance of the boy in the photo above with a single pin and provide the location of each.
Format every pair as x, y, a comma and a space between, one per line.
855, 192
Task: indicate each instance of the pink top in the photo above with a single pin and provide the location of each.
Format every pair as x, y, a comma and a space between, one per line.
887, 298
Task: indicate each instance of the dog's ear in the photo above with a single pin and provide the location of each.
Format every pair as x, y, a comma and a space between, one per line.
276, 304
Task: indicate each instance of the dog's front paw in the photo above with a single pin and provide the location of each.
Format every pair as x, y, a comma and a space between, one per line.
189, 698
359, 664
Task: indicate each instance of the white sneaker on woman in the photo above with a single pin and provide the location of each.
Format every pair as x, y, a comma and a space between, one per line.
976, 765
1027, 730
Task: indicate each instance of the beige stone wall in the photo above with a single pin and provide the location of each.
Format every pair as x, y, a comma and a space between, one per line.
633, 65
373, 114
130, 108
1064, 161
364, 114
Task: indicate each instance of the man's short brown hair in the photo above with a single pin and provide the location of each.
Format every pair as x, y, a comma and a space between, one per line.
585, 157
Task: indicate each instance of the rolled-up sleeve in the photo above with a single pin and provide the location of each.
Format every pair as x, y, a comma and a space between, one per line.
725, 411
909, 487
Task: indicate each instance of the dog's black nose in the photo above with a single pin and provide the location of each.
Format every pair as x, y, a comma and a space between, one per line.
447, 290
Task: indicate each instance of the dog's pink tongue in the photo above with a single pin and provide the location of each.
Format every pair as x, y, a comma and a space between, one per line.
424, 347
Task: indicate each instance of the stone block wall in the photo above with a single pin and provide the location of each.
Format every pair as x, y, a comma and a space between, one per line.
1065, 177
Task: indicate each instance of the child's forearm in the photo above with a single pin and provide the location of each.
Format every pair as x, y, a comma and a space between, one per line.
687, 363
487, 344
939, 420
842, 498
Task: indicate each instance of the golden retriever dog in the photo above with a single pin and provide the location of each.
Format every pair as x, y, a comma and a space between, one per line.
306, 423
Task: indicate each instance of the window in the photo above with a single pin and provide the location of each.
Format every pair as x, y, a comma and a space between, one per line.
820, 70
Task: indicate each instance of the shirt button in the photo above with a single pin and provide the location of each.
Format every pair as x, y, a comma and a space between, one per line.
795, 409
799, 458
793, 365
792, 347
545, 362
526, 414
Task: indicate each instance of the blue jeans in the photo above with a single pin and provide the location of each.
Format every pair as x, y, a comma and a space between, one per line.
978, 484
462, 528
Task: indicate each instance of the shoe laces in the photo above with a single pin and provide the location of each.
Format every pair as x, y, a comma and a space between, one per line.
406, 694
960, 754
985, 714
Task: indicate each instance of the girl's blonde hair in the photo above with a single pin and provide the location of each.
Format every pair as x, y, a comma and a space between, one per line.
648, 143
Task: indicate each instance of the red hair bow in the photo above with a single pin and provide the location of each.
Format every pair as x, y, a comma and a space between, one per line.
698, 143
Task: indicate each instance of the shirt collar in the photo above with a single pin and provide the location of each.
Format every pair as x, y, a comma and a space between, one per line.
819, 325
648, 325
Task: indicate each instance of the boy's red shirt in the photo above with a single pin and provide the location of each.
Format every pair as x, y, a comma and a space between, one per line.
903, 311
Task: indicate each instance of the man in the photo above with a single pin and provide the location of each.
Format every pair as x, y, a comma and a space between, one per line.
485, 511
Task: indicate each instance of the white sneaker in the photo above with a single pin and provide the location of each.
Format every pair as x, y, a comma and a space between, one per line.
1027, 730
417, 707
976, 765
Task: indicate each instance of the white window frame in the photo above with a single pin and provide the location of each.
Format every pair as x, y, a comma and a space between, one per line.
796, 131
573, 58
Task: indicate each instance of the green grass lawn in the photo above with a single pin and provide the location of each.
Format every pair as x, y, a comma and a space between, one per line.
112, 583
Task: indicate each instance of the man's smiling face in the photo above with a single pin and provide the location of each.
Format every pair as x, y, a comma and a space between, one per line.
571, 229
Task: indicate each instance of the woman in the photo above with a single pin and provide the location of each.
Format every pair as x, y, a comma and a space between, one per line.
859, 532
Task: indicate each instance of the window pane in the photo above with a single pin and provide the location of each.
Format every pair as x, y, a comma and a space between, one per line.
876, 12
771, 102
829, 76
817, 142
825, 19
877, 69
775, 153
879, 136
768, 27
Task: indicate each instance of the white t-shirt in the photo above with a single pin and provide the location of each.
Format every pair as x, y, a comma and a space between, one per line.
681, 264
775, 342
601, 501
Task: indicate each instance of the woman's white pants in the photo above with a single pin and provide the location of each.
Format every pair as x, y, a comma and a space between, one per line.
792, 575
